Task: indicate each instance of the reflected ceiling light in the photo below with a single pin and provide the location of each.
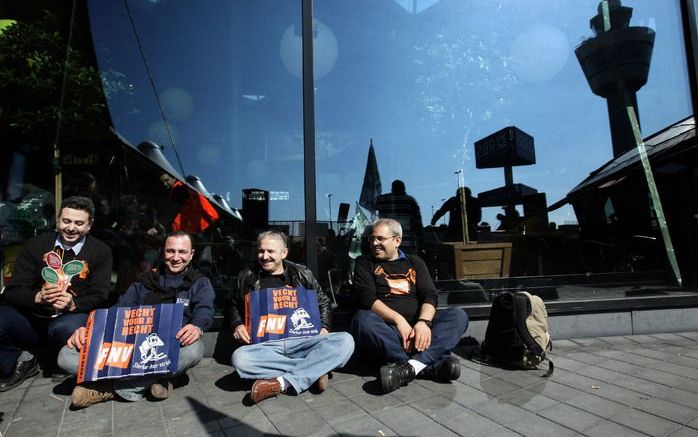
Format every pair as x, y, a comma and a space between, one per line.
325, 50
147, 4
539, 53
157, 132
256, 169
416, 6
208, 154
177, 103
254, 97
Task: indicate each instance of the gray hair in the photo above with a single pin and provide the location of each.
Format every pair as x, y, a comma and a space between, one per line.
393, 226
273, 234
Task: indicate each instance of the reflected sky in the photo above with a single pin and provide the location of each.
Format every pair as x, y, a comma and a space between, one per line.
424, 79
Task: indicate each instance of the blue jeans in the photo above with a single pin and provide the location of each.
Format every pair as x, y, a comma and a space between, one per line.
22, 331
134, 389
299, 360
382, 343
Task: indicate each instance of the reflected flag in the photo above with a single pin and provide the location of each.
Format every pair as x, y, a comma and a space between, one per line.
371, 188
358, 225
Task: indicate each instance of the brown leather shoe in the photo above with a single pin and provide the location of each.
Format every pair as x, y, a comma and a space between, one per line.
161, 389
92, 393
265, 388
321, 384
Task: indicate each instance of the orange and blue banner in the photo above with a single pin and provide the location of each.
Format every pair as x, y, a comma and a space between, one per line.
131, 341
278, 313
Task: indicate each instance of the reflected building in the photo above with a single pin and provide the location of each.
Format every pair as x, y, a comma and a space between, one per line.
616, 63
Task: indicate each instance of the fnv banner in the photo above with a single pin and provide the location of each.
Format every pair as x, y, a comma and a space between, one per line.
131, 341
277, 313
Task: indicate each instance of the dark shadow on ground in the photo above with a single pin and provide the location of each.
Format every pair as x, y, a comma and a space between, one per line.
225, 345
233, 382
359, 366
65, 387
468, 348
373, 387
207, 414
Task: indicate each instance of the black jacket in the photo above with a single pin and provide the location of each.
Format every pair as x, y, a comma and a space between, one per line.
295, 275
90, 293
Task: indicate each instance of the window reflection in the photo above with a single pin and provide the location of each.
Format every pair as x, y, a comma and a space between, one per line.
432, 86
209, 97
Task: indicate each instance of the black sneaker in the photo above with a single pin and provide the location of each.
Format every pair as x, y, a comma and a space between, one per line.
395, 375
23, 370
447, 370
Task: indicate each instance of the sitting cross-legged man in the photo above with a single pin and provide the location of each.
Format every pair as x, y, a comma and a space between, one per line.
398, 325
175, 281
283, 363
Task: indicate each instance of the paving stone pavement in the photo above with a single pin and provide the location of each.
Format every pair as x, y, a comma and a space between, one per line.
606, 386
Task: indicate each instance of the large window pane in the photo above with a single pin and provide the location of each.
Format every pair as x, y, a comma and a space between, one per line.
216, 85
427, 80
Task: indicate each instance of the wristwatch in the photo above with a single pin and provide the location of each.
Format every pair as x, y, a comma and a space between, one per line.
426, 322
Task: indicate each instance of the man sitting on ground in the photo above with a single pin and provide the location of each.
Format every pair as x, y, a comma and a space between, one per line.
293, 362
36, 309
176, 281
398, 323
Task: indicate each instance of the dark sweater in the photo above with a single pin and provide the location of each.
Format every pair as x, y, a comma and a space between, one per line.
197, 299
90, 293
403, 285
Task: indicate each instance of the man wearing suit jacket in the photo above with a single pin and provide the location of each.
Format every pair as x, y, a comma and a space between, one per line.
35, 311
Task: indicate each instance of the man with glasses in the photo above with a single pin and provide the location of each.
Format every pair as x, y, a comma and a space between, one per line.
397, 323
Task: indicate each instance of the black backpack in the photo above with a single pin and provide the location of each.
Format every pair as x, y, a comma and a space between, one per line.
517, 335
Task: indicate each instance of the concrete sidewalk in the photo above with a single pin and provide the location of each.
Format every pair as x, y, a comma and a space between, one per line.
607, 386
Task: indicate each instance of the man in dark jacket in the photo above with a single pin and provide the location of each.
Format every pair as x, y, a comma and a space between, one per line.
175, 281
453, 206
36, 309
398, 323
291, 362
404, 208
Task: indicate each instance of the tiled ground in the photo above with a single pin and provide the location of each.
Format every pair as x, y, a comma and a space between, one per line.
608, 386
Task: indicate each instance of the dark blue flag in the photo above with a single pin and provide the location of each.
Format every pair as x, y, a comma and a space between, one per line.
371, 188
131, 341
277, 313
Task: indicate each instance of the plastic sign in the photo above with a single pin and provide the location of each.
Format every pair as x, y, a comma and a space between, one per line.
58, 273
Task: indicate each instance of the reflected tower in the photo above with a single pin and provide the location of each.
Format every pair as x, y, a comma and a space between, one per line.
616, 63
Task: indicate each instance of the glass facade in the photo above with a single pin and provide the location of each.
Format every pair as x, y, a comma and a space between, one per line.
534, 108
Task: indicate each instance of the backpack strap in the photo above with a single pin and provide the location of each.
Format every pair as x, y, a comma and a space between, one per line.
522, 309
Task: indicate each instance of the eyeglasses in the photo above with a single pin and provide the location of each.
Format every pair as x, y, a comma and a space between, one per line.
379, 238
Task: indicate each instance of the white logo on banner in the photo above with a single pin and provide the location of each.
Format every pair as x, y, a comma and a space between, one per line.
149, 349
299, 318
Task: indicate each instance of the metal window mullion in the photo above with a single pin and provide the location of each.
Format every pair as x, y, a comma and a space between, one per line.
309, 137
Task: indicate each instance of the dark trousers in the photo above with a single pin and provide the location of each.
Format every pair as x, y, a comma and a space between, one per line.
21, 331
381, 343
